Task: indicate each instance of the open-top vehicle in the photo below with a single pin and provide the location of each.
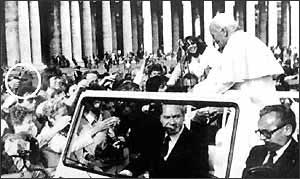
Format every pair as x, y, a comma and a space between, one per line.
225, 124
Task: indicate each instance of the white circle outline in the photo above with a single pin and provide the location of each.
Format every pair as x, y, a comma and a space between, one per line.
31, 67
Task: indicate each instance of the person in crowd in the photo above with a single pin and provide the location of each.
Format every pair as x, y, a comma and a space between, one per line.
279, 156
77, 75
189, 81
244, 58
287, 67
54, 87
173, 153
281, 84
91, 77
52, 69
155, 70
156, 79
30, 102
155, 83
24, 120
197, 59
96, 129
107, 61
89, 64
26, 79
96, 61
85, 61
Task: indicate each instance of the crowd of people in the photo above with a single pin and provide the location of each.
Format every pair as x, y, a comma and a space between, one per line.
289, 59
42, 119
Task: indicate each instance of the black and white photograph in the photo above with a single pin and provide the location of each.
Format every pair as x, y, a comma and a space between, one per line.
149, 89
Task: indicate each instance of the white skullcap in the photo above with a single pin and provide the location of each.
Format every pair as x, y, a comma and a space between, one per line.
224, 20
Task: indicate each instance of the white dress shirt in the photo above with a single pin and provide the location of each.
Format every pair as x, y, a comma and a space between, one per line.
279, 153
172, 142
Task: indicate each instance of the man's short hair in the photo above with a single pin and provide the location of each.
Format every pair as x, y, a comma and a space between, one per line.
25, 89
128, 86
286, 115
155, 67
18, 113
182, 108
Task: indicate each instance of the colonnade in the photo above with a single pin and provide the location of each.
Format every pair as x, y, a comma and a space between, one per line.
34, 31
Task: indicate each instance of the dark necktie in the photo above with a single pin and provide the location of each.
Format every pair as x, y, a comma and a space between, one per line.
165, 146
270, 159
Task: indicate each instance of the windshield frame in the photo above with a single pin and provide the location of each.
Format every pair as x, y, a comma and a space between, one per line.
148, 96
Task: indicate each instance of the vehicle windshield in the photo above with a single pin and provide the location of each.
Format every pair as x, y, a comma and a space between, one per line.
109, 135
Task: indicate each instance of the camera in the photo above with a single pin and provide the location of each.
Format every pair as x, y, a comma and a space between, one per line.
28, 148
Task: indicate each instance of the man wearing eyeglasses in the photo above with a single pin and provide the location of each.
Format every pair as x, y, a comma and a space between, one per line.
279, 156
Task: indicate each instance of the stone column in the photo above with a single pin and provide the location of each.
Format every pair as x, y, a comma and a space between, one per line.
195, 18
187, 19
134, 25
12, 33
66, 44
87, 43
147, 27
106, 26
35, 34
272, 23
160, 24
93, 22
207, 18
167, 27
2, 37
284, 23
127, 30
114, 32
76, 33
198, 18
154, 21
140, 22
99, 33
240, 12
295, 24
262, 21
24, 34
54, 25
229, 5
175, 24
250, 19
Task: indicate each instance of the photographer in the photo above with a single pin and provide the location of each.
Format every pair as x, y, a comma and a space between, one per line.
24, 137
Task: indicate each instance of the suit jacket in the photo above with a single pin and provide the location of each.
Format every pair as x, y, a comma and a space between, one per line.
287, 166
187, 159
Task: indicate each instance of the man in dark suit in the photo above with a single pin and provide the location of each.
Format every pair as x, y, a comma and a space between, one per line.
279, 157
174, 153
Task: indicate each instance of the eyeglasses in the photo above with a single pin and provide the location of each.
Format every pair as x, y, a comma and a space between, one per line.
268, 134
